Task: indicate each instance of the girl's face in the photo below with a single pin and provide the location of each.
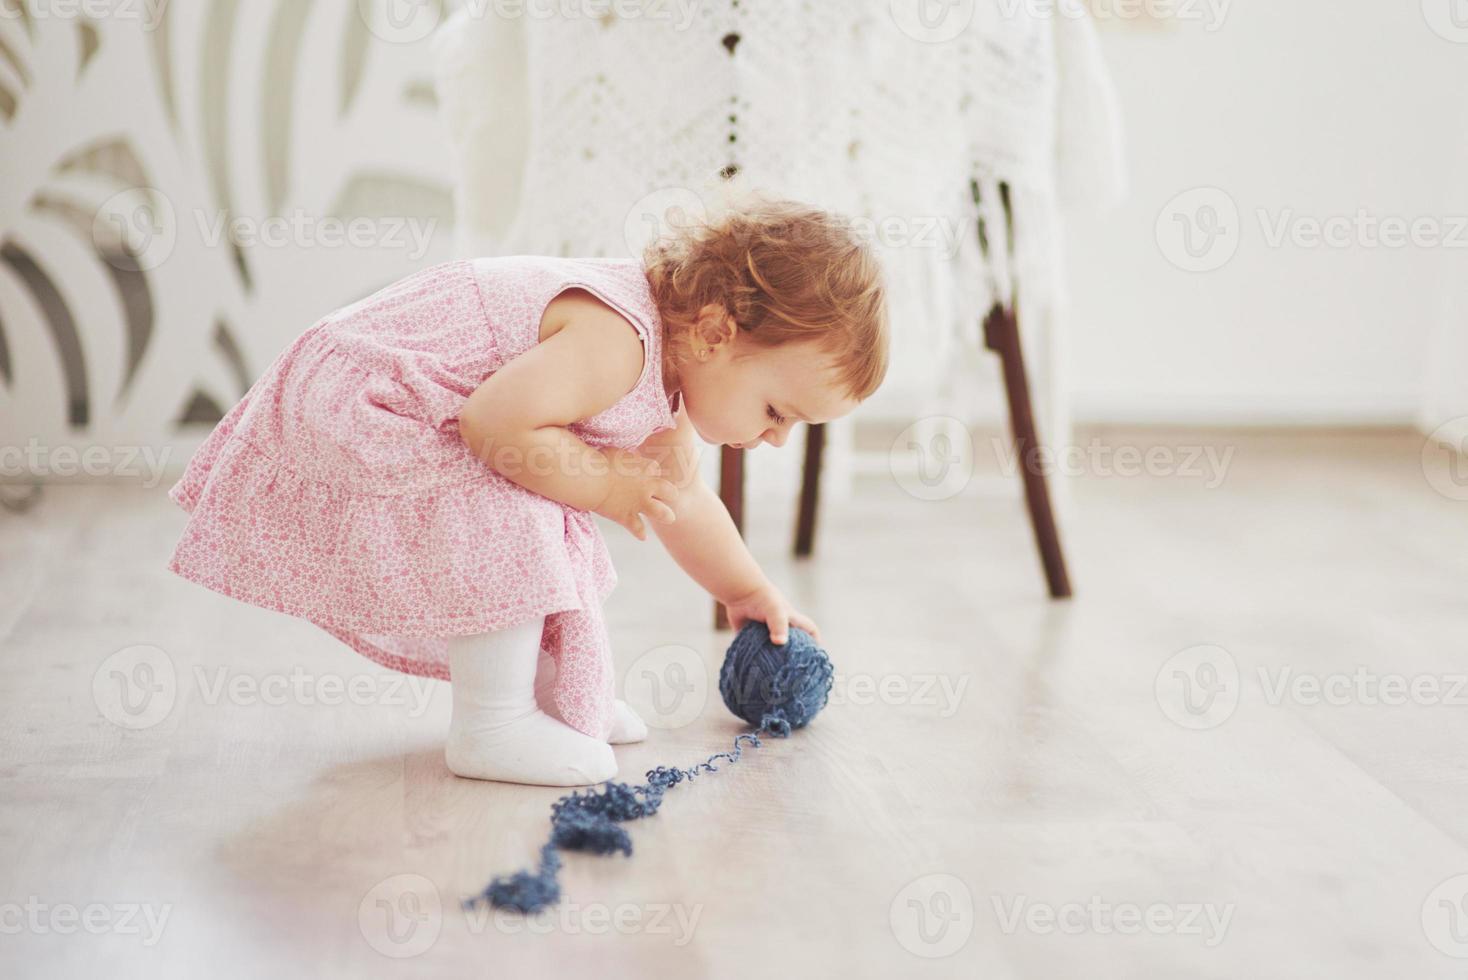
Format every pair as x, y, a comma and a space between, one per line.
742, 395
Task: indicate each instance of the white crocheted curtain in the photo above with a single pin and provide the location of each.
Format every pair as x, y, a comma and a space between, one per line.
585, 135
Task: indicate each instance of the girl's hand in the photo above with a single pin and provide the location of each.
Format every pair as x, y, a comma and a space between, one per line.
637, 488
768, 606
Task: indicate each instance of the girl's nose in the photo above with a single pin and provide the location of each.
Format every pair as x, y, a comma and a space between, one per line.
776, 437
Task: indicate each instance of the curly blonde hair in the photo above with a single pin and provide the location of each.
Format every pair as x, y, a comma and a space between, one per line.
786, 272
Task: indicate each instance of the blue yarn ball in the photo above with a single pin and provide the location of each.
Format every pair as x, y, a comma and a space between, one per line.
775, 688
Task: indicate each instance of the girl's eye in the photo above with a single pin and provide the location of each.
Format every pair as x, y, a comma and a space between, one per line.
776, 416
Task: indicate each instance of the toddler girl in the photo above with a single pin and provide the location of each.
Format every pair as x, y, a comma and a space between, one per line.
416, 473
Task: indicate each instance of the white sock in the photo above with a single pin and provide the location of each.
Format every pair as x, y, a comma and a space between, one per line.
627, 725
499, 732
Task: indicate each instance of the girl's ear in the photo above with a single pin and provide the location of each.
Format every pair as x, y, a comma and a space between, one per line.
715, 326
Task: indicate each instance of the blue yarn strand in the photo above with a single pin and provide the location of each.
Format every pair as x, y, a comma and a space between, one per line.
775, 688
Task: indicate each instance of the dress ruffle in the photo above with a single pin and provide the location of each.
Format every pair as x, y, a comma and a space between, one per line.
383, 564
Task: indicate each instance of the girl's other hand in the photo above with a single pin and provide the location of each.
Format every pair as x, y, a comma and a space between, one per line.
638, 488
766, 605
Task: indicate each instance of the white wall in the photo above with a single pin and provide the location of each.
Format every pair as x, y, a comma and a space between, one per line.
1444, 409
1312, 105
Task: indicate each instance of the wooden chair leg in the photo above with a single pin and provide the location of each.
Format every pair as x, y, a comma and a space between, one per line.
731, 492
810, 490
1001, 334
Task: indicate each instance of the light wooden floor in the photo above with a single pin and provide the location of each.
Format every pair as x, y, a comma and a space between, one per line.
301, 839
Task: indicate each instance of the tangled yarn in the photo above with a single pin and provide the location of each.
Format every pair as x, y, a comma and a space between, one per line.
774, 688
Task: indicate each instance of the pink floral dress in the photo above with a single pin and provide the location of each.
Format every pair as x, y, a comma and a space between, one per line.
339, 490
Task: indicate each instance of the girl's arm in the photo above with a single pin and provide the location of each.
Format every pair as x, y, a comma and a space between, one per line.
515, 422
706, 544
703, 540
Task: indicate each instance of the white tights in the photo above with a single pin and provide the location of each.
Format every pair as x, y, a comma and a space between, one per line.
498, 730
